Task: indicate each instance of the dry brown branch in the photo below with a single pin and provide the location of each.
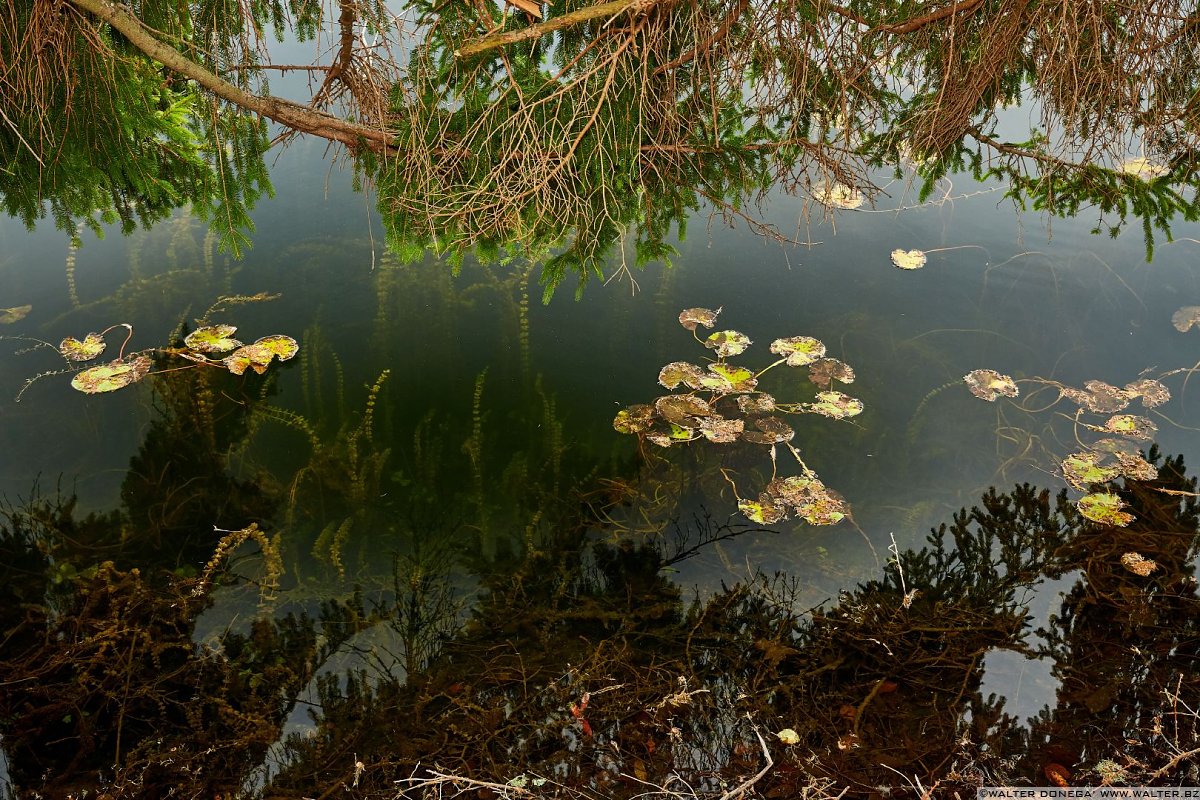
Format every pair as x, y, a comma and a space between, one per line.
492, 41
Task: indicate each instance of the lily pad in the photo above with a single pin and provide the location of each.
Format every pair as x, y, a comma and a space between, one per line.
909, 259
74, 350
212, 339
683, 410
800, 351
634, 419
987, 384
1144, 168
1083, 469
1104, 398
1117, 447
838, 195
824, 371
1137, 468
1104, 507
1130, 425
1138, 564
672, 435
764, 513
835, 405
721, 431
788, 736
284, 347
811, 499
771, 430
728, 378
253, 356
758, 403
727, 343
112, 376
1185, 318
1152, 392
15, 314
678, 372
691, 317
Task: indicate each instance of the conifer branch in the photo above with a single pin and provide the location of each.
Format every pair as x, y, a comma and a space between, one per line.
285, 112
494, 40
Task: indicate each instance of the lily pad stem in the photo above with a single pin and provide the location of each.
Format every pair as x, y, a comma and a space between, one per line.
760, 373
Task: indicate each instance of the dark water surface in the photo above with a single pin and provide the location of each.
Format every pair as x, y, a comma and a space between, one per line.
461, 547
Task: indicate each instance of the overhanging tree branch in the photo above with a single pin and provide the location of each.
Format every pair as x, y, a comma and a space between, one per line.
285, 112
494, 40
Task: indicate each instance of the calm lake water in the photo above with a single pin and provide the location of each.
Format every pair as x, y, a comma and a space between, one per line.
447, 425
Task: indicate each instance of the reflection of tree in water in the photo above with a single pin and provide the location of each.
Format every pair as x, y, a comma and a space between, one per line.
581, 663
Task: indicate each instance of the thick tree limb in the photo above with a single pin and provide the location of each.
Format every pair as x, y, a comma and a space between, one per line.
494, 40
285, 112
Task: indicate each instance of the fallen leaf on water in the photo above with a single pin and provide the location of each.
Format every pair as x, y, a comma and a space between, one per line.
788, 736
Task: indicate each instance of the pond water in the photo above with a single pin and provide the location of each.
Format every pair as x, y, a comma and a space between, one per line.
467, 566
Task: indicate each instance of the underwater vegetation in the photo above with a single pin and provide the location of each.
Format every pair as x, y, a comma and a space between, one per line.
723, 405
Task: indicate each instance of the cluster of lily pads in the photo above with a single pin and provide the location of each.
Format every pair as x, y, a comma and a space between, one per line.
721, 403
1115, 455
211, 345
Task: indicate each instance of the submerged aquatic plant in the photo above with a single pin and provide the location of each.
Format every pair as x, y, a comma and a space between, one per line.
722, 404
204, 346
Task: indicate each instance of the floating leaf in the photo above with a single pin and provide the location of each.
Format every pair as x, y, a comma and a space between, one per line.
800, 351
838, 195
683, 410
1084, 469
1144, 168
727, 343
248, 355
824, 371
909, 259
810, 498
14, 314
672, 435
771, 430
1135, 467
212, 339
835, 405
728, 378
678, 372
691, 317
1104, 507
1104, 398
1132, 426
764, 513
824, 509
1138, 564
112, 376
284, 347
721, 431
1185, 318
988, 384
788, 736
1152, 392
759, 403
74, 350
634, 419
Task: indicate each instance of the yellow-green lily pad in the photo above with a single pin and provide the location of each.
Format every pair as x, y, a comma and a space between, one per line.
1105, 508
1130, 425
112, 376
728, 378
727, 343
73, 349
284, 347
764, 513
909, 259
212, 339
800, 351
838, 195
1083, 469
